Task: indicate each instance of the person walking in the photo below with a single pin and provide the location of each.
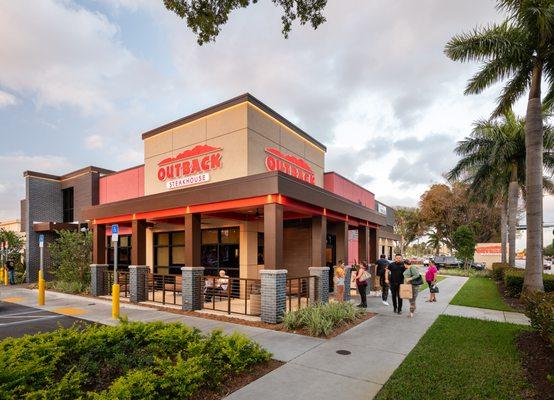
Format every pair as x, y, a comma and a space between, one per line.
362, 276
431, 279
339, 281
382, 264
11, 271
412, 276
394, 278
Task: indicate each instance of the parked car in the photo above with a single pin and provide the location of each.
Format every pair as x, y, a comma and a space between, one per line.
476, 266
446, 262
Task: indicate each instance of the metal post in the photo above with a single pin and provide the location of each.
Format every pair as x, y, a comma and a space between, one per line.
115, 288
41, 283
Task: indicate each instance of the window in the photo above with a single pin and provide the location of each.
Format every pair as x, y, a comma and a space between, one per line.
169, 251
123, 251
67, 195
220, 250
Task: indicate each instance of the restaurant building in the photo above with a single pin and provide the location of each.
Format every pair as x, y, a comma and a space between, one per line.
235, 187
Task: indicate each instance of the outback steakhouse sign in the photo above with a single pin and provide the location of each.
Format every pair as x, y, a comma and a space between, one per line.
277, 161
189, 167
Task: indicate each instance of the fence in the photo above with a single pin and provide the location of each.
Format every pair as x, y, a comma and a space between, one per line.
299, 290
164, 289
232, 295
122, 280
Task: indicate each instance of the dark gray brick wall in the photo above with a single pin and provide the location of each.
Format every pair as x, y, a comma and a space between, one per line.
193, 288
320, 290
138, 283
274, 295
43, 203
98, 281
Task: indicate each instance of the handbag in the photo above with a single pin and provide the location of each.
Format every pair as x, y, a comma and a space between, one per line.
434, 289
364, 276
406, 291
418, 280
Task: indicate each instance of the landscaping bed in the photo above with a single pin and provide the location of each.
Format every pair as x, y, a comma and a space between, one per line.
129, 361
462, 358
481, 293
537, 359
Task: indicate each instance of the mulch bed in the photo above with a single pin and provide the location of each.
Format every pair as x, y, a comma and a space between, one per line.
511, 301
537, 359
236, 382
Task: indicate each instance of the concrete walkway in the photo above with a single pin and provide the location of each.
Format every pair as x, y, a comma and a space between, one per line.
377, 347
284, 346
486, 314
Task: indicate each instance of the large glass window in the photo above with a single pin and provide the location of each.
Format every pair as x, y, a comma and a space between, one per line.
220, 251
169, 251
123, 251
67, 195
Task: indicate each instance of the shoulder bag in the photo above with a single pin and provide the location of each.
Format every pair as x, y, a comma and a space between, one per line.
417, 280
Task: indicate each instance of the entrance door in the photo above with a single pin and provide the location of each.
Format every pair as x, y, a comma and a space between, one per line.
331, 259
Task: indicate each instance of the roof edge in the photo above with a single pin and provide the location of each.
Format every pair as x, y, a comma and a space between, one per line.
246, 97
89, 169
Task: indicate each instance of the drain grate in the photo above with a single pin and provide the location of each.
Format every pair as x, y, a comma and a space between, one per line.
343, 352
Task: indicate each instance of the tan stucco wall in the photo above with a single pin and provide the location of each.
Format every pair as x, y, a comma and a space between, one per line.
243, 132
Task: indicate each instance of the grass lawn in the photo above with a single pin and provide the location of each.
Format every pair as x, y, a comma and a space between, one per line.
461, 358
481, 293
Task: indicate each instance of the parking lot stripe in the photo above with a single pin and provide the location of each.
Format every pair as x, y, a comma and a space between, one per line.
12, 299
69, 311
27, 321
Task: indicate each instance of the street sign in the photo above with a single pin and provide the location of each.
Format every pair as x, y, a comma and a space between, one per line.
115, 233
41, 241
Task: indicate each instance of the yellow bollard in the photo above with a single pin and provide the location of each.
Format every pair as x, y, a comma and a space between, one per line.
41, 288
115, 301
6, 276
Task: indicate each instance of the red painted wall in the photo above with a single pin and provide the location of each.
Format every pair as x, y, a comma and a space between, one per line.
337, 184
123, 185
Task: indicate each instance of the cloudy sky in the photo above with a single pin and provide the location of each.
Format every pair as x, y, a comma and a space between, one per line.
81, 79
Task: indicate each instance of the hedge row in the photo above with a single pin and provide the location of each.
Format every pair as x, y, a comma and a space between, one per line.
539, 307
513, 281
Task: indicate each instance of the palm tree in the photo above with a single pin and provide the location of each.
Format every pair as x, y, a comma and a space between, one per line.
493, 163
521, 49
435, 241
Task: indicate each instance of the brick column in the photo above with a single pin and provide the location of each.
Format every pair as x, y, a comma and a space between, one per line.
347, 280
193, 288
274, 295
320, 292
138, 283
98, 281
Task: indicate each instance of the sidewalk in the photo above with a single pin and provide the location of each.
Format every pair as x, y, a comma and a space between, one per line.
377, 347
284, 346
488, 315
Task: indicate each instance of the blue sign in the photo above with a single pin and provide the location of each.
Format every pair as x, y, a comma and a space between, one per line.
115, 233
40, 240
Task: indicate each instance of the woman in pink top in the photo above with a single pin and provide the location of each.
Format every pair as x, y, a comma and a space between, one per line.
431, 278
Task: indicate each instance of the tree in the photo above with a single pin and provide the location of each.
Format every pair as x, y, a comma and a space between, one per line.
15, 249
70, 256
549, 250
493, 163
435, 241
407, 224
464, 243
206, 17
521, 49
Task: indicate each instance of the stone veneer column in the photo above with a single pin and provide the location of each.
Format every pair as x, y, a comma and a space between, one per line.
138, 281
320, 293
274, 296
98, 282
347, 280
193, 288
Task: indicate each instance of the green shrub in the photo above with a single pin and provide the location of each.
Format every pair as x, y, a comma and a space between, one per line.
498, 271
129, 361
321, 319
513, 280
539, 308
465, 272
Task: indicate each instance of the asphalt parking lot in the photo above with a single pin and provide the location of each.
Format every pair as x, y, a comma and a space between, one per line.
17, 320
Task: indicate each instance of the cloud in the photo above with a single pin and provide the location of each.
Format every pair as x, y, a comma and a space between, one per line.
7, 99
63, 54
94, 142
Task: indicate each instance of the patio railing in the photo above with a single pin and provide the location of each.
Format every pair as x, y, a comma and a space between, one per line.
165, 289
232, 295
122, 280
299, 290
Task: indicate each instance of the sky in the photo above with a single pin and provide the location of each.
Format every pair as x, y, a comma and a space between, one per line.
80, 80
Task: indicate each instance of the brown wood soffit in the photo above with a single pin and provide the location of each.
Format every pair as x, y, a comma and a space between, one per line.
54, 226
247, 97
240, 188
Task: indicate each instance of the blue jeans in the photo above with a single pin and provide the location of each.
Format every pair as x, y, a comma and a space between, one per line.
11, 275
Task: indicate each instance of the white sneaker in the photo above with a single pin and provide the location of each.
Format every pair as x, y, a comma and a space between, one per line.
385, 303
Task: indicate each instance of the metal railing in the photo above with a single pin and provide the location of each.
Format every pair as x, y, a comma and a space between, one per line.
232, 295
164, 289
301, 291
122, 279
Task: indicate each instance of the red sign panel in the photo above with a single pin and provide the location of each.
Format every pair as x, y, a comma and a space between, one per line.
197, 161
278, 161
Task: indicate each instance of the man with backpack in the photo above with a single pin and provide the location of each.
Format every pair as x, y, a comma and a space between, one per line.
382, 264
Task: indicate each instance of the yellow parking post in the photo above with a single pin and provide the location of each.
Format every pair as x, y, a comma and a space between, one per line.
115, 301
6, 276
41, 288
